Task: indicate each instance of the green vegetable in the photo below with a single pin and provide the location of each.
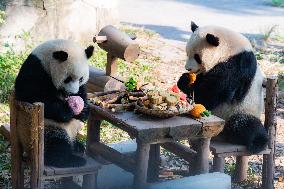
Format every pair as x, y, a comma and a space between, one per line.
206, 113
131, 84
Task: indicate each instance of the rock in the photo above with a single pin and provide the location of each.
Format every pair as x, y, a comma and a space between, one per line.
49, 19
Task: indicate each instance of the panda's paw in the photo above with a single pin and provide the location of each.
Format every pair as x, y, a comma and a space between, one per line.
183, 83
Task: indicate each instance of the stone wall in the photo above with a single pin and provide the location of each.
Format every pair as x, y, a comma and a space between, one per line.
78, 20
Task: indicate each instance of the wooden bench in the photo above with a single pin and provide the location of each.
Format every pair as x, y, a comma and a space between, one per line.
27, 143
220, 150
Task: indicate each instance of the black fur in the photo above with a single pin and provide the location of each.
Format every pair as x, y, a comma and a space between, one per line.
193, 26
213, 40
89, 51
33, 84
246, 130
226, 82
229, 82
60, 55
58, 149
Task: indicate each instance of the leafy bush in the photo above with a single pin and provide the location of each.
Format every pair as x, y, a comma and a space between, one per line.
2, 17
10, 63
277, 3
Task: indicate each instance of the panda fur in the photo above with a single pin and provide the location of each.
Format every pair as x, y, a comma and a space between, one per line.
229, 83
53, 71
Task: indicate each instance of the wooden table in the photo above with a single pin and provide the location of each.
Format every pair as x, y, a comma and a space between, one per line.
150, 133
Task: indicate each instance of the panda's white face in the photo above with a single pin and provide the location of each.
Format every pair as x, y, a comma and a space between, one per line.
210, 45
66, 62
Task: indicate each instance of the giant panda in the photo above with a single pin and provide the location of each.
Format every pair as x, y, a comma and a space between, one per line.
55, 71
229, 83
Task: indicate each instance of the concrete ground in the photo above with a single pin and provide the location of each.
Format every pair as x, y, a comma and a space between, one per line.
171, 18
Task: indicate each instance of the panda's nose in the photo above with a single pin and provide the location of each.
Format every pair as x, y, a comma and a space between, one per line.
189, 69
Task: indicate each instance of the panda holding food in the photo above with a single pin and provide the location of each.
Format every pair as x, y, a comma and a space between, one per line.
228, 83
56, 73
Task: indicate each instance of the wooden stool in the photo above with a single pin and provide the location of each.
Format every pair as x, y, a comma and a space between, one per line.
221, 150
27, 137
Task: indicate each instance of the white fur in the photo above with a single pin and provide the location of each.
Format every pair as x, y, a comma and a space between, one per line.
75, 66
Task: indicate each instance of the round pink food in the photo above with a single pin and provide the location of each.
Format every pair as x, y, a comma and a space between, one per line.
76, 103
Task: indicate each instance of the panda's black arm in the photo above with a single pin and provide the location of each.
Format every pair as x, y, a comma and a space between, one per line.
83, 116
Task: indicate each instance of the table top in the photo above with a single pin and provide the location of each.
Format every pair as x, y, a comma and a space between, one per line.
151, 129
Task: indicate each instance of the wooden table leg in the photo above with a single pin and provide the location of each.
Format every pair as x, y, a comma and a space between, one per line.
93, 131
200, 163
142, 157
154, 163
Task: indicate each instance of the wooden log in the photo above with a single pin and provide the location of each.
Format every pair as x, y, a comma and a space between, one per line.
241, 168
154, 163
201, 162
142, 158
271, 125
90, 181
112, 155
119, 44
111, 67
180, 150
16, 149
99, 81
218, 164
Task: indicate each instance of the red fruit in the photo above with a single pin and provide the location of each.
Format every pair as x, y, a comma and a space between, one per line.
182, 96
175, 89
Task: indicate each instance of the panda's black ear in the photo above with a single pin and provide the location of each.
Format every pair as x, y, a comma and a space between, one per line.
193, 26
89, 51
60, 55
213, 40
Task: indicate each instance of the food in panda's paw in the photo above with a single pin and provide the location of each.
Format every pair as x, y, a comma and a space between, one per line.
76, 103
199, 111
192, 78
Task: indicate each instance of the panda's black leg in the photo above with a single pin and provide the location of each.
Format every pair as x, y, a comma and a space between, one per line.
246, 130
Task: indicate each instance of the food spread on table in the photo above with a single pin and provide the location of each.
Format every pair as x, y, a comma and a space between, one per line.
154, 101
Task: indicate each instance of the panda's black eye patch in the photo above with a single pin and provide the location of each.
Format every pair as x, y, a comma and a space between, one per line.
68, 79
60, 55
81, 79
197, 58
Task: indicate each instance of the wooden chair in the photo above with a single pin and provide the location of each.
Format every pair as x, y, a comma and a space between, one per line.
27, 142
221, 150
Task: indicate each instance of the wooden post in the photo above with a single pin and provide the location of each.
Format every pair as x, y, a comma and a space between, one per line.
119, 44
241, 168
271, 125
111, 67
218, 164
16, 149
200, 163
142, 158
154, 163
90, 181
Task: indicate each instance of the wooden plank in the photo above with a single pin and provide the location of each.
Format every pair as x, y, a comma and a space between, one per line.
48, 171
111, 67
223, 148
91, 166
142, 158
218, 164
5, 131
180, 150
93, 129
112, 155
90, 181
150, 129
211, 126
